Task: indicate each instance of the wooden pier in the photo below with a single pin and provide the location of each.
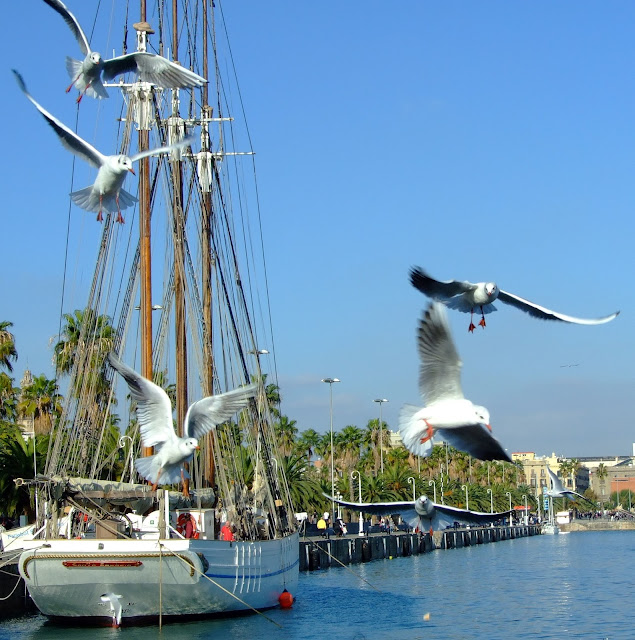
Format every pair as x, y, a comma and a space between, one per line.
321, 553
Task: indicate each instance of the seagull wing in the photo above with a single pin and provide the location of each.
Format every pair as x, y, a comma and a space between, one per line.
437, 289
405, 509
68, 138
154, 409
546, 314
556, 483
204, 415
154, 69
166, 149
440, 373
475, 440
445, 515
72, 22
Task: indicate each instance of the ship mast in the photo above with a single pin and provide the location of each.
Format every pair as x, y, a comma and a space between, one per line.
143, 97
176, 131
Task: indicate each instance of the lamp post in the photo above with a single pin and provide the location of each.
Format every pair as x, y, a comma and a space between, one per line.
414, 487
433, 484
381, 439
361, 518
442, 502
467, 498
330, 382
491, 501
509, 495
526, 514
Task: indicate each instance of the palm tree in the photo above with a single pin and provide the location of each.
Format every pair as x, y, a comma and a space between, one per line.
85, 340
8, 399
7, 346
40, 401
308, 441
348, 446
285, 431
16, 461
303, 488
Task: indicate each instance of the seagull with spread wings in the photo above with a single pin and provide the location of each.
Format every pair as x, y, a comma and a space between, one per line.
558, 491
106, 193
423, 513
86, 75
468, 296
462, 424
154, 412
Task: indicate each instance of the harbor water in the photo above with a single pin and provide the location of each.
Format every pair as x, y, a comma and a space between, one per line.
576, 585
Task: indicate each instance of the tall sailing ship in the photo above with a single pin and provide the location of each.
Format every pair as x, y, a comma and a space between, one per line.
110, 549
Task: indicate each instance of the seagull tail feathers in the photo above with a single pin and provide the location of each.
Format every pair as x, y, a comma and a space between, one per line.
410, 429
149, 467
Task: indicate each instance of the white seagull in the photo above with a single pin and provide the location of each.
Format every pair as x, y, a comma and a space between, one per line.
422, 513
558, 491
462, 424
114, 599
106, 193
467, 296
87, 75
154, 412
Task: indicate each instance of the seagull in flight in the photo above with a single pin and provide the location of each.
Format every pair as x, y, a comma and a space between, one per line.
462, 424
558, 491
467, 296
86, 75
106, 193
423, 513
154, 412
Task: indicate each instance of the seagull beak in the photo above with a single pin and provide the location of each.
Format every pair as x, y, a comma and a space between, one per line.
489, 427
132, 172
198, 448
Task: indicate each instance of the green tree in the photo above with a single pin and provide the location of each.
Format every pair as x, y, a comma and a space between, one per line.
42, 402
7, 346
16, 461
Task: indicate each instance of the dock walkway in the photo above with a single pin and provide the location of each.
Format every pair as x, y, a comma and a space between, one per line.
317, 552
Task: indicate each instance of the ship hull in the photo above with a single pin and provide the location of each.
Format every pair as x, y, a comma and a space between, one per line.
142, 580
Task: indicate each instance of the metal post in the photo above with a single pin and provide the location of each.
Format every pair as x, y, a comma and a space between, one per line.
509, 495
381, 438
467, 498
526, 514
491, 501
433, 484
330, 382
414, 487
361, 517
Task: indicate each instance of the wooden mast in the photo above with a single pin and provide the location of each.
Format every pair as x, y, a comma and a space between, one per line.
176, 124
145, 271
206, 250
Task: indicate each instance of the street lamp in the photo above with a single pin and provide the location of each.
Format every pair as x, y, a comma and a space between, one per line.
381, 439
467, 499
414, 487
442, 502
491, 501
509, 495
526, 514
361, 518
330, 382
433, 484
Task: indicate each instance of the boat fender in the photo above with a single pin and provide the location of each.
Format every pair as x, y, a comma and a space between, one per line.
182, 527
285, 599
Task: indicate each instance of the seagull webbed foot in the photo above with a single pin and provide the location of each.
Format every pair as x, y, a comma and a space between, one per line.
471, 327
482, 322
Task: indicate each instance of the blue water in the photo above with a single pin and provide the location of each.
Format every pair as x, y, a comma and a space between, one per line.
577, 585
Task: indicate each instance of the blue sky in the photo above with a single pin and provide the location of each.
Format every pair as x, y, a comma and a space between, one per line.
481, 141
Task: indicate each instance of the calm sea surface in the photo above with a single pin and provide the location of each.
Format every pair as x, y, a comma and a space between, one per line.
577, 585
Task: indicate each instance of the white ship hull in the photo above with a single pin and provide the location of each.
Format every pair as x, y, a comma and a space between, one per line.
152, 578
